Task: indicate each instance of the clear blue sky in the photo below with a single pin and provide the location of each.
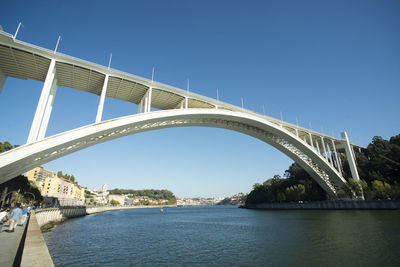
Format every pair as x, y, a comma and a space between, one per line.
334, 64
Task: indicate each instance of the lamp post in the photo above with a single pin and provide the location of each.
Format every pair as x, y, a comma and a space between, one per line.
31, 194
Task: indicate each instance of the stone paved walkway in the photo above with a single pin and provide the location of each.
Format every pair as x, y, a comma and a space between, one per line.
9, 243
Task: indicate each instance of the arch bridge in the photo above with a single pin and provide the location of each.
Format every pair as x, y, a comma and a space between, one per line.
317, 153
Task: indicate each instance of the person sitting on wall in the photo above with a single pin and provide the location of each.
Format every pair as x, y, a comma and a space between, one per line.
3, 217
15, 217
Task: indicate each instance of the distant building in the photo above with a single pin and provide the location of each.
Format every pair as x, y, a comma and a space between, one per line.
120, 198
51, 187
101, 196
39, 175
67, 193
129, 201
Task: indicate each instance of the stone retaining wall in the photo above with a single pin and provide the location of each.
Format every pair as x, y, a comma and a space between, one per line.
44, 216
331, 205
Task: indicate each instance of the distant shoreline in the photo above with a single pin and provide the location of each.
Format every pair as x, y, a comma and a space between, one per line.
49, 217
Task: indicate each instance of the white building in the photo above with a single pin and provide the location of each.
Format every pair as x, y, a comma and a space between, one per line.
119, 198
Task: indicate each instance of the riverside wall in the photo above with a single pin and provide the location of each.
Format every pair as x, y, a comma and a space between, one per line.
330, 205
44, 216
35, 252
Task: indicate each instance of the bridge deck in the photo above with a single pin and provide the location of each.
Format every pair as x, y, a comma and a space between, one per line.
26, 61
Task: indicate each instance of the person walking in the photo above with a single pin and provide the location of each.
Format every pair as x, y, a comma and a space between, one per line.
14, 218
24, 215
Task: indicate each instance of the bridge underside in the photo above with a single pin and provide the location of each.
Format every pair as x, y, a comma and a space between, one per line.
26, 157
317, 153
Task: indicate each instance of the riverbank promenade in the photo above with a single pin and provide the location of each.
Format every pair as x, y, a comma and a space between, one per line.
9, 244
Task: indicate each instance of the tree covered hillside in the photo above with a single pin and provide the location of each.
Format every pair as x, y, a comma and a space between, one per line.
150, 193
378, 167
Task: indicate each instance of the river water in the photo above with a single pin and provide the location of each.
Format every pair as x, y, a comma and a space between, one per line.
227, 236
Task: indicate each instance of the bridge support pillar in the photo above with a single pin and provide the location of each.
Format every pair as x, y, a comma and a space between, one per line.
311, 142
140, 106
101, 101
339, 164
319, 151
44, 97
350, 157
147, 107
2, 80
47, 111
323, 146
184, 103
328, 149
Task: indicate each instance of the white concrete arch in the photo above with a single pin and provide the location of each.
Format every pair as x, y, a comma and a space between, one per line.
26, 157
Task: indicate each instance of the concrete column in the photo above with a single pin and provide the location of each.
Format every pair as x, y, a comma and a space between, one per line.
139, 107
2, 80
311, 142
146, 101
297, 132
329, 153
323, 146
101, 100
48, 109
141, 104
354, 154
186, 102
339, 167
149, 99
37, 120
319, 151
340, 164
350, 157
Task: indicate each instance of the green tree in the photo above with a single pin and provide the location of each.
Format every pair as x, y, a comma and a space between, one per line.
396, 191
22, 184
295, 192
380, 189
281, 197
256, 186
355, 187
366, 190
114, 202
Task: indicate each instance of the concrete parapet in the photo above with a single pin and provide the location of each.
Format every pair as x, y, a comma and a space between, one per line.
92, 210
35, 251
54, 214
